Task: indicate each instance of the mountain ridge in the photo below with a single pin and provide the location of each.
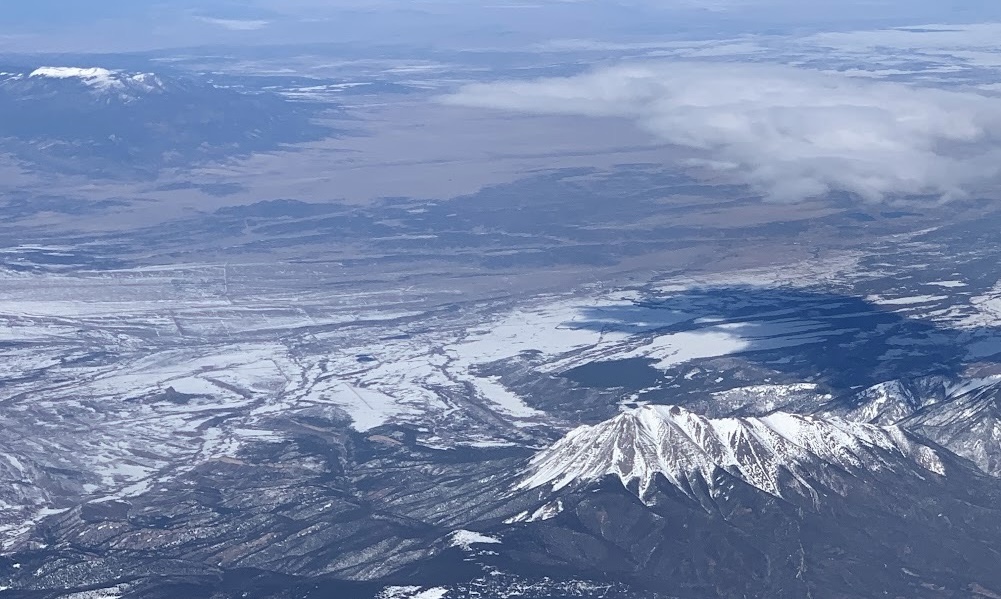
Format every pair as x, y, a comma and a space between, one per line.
779, 454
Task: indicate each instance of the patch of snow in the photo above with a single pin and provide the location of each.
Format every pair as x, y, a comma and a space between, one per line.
678, 348
467, 538
368, 408
412, 592
906, 301
505, 400
987, 309
546, 512
106, 593
398, 592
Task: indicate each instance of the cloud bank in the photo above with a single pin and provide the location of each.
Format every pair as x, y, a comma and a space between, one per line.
790, 133
236, 24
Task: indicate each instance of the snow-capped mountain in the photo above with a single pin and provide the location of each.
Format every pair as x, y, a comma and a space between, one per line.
96, 120
660, 493
781, 454
104, 83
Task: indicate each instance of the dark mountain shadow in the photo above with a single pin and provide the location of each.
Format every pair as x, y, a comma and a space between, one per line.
842, 341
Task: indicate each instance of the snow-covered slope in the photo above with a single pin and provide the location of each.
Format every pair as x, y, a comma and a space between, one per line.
777, 453
969, 424
962, 415
883, 403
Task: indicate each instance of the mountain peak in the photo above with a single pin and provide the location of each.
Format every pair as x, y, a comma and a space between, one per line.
89, 74
776, 454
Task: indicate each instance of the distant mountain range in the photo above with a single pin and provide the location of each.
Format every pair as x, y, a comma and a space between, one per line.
114, 123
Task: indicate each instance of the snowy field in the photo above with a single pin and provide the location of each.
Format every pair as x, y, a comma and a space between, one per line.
126, 378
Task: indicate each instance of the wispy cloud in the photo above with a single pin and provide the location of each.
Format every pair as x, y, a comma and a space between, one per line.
236, 24
790, 133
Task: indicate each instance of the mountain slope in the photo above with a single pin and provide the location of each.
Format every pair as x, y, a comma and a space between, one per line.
962, 415
969, 424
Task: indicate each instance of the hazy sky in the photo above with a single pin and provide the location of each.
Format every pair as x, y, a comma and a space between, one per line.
136, 24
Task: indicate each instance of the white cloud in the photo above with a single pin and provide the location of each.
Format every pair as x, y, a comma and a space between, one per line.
791, 133
236, 24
